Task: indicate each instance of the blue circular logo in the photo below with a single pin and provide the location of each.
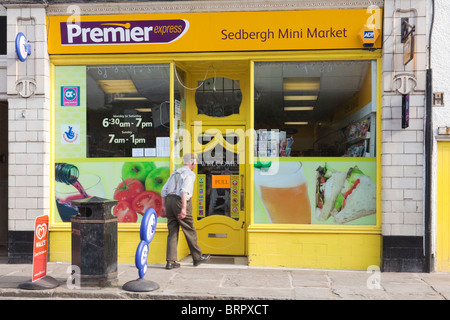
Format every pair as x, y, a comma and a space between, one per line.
23, 49
148, 225
141, 255
147, 232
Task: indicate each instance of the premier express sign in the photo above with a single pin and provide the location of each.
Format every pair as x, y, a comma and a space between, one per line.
121, 32
210, 32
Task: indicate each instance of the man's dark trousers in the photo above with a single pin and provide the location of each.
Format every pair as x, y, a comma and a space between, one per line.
173, 208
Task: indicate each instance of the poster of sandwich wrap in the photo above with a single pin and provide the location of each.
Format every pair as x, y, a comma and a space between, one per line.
331, 191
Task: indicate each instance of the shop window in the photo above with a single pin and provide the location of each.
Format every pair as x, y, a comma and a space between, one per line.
322, 108
112, 125
218, 97
180, 144
127, 109
315, 157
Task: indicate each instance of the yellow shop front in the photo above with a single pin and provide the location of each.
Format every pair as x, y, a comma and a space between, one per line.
282, 109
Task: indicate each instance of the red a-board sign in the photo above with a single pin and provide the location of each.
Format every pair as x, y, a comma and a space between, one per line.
40, 247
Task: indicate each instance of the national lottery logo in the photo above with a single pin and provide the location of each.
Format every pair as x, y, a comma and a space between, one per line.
70, 134
70, 96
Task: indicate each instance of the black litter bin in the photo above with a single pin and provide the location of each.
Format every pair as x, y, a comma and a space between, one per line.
94, 241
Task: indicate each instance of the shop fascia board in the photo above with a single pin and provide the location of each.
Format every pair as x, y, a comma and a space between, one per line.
258, 56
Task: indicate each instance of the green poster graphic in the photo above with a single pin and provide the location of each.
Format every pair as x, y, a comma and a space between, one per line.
70, 111
135, 184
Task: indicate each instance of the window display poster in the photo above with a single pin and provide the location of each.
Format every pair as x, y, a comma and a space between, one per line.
110, 111
334, 191
70, 111
136, 184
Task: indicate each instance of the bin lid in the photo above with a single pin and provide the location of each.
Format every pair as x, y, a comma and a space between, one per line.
94, 208
86, 202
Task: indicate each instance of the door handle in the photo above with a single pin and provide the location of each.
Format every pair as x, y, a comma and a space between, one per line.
242, 195
3, 158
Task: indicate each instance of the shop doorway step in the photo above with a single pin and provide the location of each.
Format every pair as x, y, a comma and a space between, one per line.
219, 261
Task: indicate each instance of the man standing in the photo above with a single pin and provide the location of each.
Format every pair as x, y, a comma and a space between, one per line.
177, 207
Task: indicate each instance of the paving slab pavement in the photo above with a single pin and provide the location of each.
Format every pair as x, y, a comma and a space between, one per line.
237, 281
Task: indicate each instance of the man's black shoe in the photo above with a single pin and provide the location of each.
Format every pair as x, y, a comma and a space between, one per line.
203, 258
172, 265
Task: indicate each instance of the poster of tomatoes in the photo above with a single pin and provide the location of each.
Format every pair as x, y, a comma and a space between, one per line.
135, 184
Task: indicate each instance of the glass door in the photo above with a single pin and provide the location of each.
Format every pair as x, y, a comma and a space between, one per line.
219, 196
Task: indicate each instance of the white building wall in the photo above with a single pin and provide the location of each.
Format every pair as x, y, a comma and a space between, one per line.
402, 151
28, 118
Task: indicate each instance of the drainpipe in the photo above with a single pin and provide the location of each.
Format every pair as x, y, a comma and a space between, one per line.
429, 257
428, 176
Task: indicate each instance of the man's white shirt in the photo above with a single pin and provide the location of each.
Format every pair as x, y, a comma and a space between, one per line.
183, 178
